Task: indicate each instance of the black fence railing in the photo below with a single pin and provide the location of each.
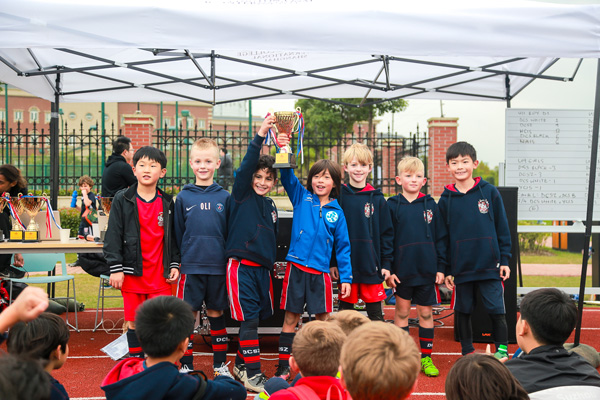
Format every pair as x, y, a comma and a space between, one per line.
83, 152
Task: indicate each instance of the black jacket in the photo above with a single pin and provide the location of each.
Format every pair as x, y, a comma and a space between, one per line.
122, 247
117, 175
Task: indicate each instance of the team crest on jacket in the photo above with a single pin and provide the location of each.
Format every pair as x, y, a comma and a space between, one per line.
220, 207
274, 216
484, 206
331, 216
161, 221
428, 215
369, 210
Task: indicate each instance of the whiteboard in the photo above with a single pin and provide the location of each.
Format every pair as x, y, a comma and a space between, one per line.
548, 159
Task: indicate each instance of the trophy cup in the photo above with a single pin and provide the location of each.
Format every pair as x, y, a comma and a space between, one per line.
32, 205
106, 204
4, 200
16, 233
286, 122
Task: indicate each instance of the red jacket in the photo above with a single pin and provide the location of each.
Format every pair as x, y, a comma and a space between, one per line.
320, 384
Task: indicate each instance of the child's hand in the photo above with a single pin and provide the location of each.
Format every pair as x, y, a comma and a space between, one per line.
504, 272
392, 281
449, 281
334, 273
346, 289
283, 139
439, 278
385, 273
29, 304
266, 125
116, 280
488, 352
173, 275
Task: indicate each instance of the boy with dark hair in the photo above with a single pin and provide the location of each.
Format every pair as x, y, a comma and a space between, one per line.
479, 246
45, 339
544, 368
164, 325
419, 255
23, 378
117, 172
251, 248
201, 230
140, 246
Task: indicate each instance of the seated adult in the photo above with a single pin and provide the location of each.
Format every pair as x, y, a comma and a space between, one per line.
118, 172
545, 369
13, 183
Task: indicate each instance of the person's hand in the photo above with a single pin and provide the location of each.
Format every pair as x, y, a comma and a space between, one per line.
29, 304
116, 280
18, 260
392, 281
385, 273
488, 352
449, 281
346, 289
334, 273
266, 125
504, 272
283, 139
439, 278
173, 275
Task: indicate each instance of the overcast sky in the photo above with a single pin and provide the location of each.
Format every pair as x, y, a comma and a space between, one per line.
481, 123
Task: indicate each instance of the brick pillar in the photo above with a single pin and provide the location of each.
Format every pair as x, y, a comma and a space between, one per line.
442, 133
138, 127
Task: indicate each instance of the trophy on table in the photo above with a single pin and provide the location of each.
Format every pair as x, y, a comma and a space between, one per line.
4, 200
286, 122
16, 232
106, 204
32, 205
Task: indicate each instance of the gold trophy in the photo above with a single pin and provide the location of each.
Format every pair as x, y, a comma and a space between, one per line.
286, 122
106, 205
16, 233
32, 205
4, 200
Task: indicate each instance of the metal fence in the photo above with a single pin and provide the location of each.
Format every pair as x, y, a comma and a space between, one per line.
84, 151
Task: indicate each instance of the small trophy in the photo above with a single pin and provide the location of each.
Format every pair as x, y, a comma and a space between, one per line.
286, 122
16, 233
32, 205
4, 200
106, 204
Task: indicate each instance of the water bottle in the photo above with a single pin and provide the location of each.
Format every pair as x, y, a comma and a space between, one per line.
74, 199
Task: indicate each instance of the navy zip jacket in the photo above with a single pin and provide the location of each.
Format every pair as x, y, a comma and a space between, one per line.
252, 219
419, 240
371, 233
478, 235
201, 229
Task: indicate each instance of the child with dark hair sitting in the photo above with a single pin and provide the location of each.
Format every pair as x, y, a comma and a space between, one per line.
163, 326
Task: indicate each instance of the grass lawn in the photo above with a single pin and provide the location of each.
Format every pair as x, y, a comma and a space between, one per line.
551, 256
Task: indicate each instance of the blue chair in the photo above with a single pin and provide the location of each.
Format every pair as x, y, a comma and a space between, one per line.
46, 262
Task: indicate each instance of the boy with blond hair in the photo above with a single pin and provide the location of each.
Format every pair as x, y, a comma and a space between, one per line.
348, 320
419, 254
379, 361
201, 231
316, 355
370, 230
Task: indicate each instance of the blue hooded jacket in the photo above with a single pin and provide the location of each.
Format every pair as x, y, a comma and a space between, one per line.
371, 233
315, 229
201, 229
419, 240
252, 219
478, 234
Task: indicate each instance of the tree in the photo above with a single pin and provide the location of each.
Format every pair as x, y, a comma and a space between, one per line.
488, 174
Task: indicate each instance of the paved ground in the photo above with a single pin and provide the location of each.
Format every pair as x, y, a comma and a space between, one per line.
554, 269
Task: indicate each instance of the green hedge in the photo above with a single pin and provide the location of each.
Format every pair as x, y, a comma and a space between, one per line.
70, 218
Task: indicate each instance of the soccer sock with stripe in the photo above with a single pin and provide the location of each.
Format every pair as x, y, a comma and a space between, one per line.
135, 348
249, 349
426, 341
285, 348
218, 338
188, 356
499, 330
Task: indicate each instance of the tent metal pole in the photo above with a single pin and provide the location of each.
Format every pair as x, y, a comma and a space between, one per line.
54, 156
590, 208
507, 85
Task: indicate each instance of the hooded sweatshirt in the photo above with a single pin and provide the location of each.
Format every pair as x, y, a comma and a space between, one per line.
371, 233
479, 237
201, 229
117, 175
419, 240
130, 379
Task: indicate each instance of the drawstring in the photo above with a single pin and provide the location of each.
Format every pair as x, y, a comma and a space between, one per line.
371, 211
274, 207
449, 200
425, 217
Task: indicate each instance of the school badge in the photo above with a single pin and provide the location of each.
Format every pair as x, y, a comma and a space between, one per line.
161, 221
428, 215
220, 207
331, 216
369, 210
274, 216
484, 206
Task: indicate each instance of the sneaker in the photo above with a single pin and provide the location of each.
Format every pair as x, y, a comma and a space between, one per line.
223, 371
185, 369
502, 352
283, 372
239, 371
256, 383
428, 368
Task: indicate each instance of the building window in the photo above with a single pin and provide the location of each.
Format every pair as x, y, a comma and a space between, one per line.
89, 116
166, 122
48, 117
72, 115
19, 116
34, 115
201, 123
190, 122
2, 115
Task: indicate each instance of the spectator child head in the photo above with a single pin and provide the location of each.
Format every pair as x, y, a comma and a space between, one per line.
481, 376
265, 176
325, 168
23, 378
379, 361
348, 320
44, 338
11, 178
163, 326
86, 180
316, 349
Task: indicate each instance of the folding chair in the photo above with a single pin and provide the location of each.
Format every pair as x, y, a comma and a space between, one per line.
46, 262
102, 296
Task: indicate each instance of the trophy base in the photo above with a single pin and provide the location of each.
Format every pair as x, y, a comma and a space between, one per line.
31, 236
16, 236
285, 161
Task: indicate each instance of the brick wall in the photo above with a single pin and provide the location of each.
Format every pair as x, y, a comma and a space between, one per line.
138, 127
442, 133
